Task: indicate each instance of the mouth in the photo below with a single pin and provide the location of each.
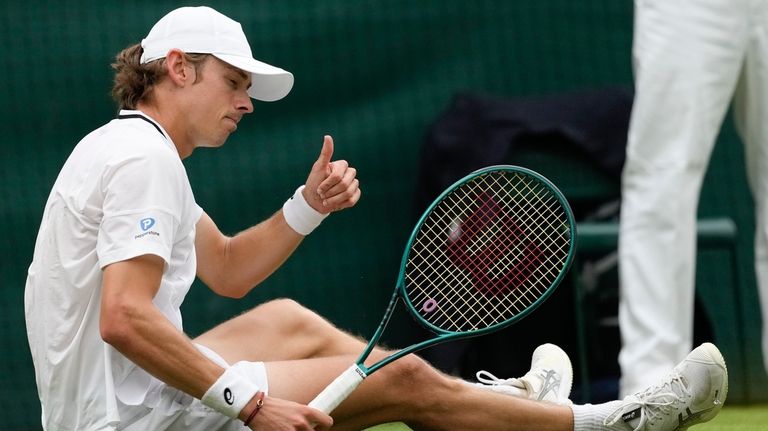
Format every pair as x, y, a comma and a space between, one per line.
234, 121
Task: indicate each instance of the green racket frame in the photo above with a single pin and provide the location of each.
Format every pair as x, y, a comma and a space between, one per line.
443, 335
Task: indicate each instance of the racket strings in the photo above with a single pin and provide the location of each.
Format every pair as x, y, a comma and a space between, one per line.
488, 250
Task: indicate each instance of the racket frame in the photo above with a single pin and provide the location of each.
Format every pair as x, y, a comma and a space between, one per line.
443, 335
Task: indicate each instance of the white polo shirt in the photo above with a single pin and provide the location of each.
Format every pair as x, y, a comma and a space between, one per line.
122, 193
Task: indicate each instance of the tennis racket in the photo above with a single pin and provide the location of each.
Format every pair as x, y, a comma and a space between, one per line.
486, 253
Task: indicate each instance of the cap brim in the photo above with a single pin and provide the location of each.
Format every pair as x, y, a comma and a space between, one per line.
268, 83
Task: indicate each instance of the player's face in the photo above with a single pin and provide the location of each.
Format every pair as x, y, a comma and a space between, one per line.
217, 102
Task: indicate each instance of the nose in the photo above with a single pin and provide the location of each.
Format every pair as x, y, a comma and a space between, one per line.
244, 103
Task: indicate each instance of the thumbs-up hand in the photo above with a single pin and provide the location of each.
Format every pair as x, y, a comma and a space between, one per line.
331, 185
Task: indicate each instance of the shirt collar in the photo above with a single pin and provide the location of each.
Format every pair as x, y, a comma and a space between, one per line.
127, 114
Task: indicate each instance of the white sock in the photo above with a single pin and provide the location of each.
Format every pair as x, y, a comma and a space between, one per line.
590, 417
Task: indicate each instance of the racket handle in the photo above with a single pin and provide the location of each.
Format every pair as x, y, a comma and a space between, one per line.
330, 398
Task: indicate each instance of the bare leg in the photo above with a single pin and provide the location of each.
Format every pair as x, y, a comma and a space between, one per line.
304, 352
409, 390
279, 330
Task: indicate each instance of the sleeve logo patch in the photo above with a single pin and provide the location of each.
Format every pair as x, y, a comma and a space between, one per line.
145, 225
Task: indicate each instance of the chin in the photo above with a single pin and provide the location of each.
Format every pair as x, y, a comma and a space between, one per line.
212, 144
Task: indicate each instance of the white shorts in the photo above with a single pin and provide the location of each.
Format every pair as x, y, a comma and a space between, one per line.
195, 416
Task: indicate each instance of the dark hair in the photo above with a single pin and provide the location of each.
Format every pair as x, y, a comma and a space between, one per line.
134, 81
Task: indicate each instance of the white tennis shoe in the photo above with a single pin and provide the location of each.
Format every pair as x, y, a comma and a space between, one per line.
549, 379
694, 392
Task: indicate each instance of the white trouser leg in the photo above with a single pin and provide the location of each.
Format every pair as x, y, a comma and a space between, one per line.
687, 59
751, 114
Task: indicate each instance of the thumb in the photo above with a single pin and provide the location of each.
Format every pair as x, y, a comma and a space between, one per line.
326, 152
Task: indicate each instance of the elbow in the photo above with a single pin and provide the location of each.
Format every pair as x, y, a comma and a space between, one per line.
231, 289
234, 294
116, 325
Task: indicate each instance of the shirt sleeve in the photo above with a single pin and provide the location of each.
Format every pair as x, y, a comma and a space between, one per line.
143, 206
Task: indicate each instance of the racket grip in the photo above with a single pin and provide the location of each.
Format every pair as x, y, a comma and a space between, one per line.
339, 389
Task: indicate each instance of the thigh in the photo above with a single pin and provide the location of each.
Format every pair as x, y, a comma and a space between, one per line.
301, 380
278, 330
687, 58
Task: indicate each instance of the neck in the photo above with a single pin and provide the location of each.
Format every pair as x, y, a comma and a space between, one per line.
169, 119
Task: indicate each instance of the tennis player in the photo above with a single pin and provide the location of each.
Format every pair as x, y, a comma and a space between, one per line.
122, 239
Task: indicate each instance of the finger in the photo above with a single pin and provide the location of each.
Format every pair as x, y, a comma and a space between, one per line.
355, 197
342, 185
337, 200
320, 420
326, 153
346, 199
336, 173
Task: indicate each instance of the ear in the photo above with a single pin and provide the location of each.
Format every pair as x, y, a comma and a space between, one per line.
175, 65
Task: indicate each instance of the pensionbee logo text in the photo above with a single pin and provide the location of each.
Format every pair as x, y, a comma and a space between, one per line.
145, 225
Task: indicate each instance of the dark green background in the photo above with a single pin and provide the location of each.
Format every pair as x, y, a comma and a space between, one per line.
374, 74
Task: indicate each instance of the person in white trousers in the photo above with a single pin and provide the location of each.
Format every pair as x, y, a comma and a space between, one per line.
691, 59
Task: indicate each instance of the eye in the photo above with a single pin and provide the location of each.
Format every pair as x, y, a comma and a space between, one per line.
232, 83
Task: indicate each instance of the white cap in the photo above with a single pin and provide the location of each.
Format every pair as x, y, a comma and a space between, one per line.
202, 30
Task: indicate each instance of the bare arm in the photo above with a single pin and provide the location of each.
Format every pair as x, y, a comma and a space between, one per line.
131, 323
232, 266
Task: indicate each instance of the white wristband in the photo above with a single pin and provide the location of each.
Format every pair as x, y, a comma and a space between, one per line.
299, 215
230, 393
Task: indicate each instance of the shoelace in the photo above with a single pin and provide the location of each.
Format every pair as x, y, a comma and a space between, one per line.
489, 379
654, 403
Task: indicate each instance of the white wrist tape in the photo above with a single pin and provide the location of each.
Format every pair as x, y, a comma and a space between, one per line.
299, 215
230, 393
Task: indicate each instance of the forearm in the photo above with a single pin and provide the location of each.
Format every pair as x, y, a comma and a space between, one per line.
146, 337
254, 254
131, 322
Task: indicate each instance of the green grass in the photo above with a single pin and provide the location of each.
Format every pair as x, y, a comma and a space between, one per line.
737, 418
395, 426
731, 418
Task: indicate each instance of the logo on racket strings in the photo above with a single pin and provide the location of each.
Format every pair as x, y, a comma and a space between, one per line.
429, 305
489, 266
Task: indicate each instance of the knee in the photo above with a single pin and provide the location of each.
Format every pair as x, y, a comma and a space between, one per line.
287, 317
415, 377
416, 391
284, 306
